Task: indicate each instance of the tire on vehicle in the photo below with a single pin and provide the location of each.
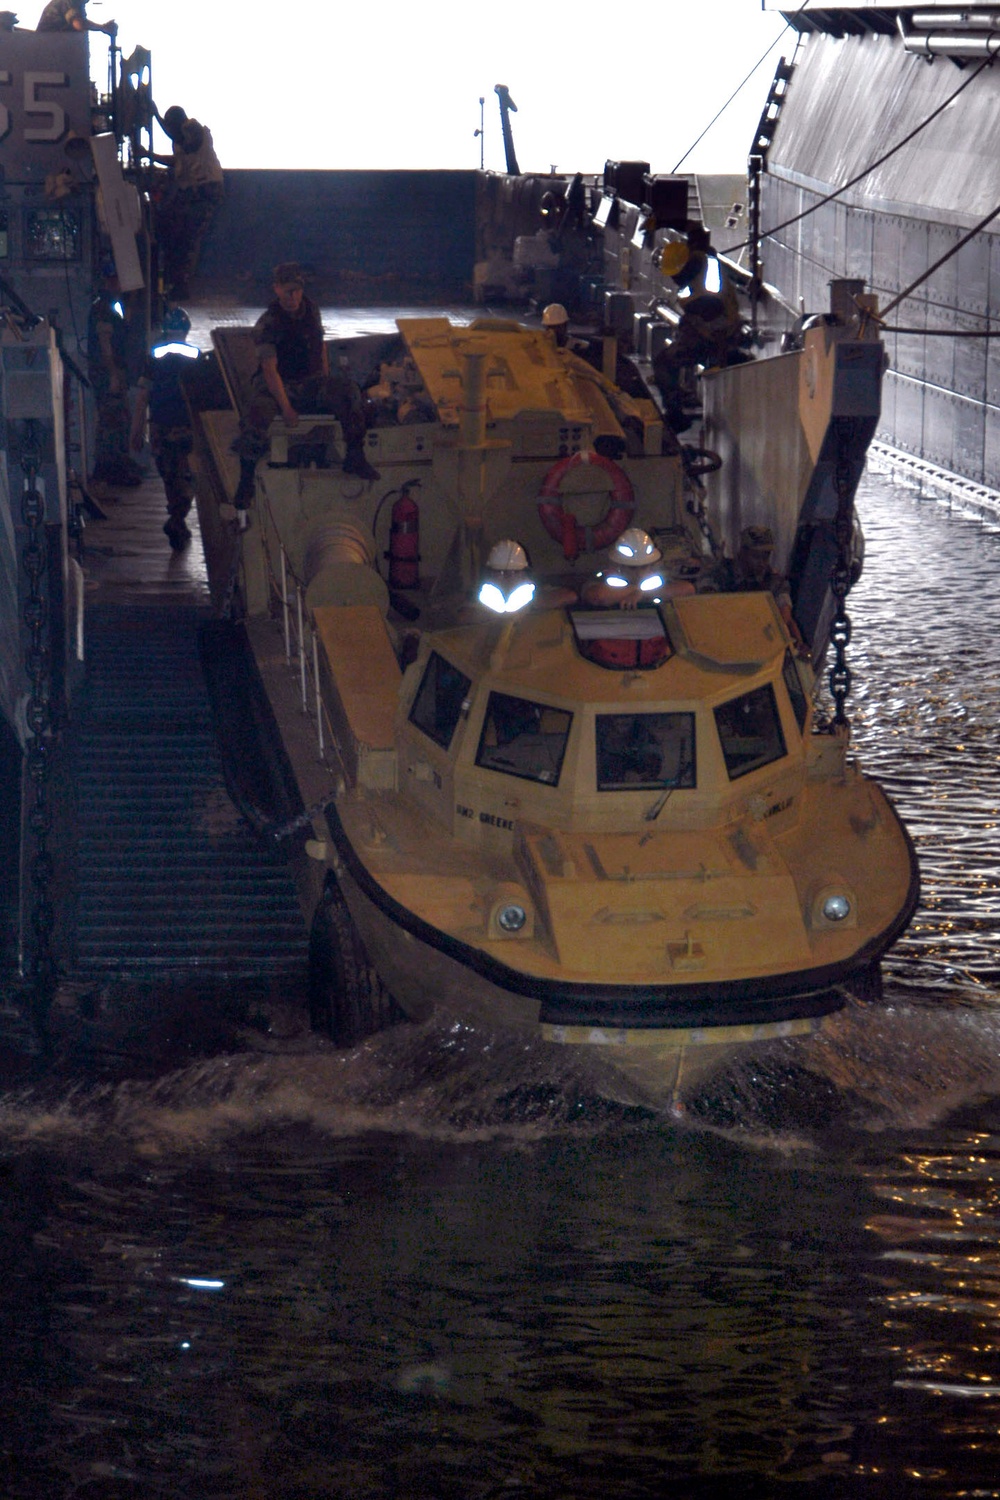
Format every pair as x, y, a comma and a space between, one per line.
347, 999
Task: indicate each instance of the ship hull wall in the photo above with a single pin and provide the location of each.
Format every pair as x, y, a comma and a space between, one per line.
849, 102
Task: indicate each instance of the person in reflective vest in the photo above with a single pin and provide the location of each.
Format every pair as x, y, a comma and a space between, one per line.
161, 396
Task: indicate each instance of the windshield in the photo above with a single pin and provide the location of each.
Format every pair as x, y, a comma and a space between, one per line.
522, 738
645, 751
438, 704
750, 731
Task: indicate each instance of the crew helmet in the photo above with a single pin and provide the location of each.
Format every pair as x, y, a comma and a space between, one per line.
507, 556
758, 539
506, 588
176, 322
554, 316
673, 257
635, 548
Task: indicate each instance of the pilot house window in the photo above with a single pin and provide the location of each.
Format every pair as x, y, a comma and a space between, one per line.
750, 731
638, 752
438, 704
525, 739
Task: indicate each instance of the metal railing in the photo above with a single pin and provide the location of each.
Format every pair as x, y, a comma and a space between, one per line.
302, 649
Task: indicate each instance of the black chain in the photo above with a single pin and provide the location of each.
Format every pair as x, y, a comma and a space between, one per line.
37, 662
280, 831
695, 506
229, 598
840, 576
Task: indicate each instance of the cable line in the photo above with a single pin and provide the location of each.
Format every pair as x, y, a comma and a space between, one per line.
732, 96
976, 229
944, 333
785, 224
742, 85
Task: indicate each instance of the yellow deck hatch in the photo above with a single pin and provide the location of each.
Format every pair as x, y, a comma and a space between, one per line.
523, 370
363, 675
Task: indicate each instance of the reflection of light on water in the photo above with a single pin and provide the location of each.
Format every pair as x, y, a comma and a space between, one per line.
943, 1303
924, 715
585, 1298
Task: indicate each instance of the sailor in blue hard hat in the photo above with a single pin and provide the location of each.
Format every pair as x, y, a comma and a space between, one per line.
161, 395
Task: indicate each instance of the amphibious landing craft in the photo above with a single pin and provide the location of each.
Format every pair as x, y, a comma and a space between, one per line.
554, 749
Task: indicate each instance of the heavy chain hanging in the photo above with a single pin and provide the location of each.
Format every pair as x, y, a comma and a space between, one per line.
696, 506
35, 613
840, 577
240, 527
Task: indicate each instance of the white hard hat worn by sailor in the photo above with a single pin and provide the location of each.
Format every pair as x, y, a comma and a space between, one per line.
634, 557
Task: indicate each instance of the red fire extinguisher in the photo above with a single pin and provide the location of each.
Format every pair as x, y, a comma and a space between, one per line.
404, 541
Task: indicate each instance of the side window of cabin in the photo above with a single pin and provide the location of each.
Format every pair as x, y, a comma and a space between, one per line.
638, 752
796, 692
526, 739
750, 731
438, 704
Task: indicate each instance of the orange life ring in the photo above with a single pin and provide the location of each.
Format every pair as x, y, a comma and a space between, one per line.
563, 527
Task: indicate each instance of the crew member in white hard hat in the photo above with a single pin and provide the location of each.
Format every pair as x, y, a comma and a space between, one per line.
507, 586
555, 320
635, 575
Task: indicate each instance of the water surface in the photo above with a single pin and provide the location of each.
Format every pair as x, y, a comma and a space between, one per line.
451, 1265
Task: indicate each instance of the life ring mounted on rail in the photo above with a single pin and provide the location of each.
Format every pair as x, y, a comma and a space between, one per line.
563, 527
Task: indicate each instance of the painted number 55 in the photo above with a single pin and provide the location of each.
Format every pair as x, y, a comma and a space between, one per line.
51, 126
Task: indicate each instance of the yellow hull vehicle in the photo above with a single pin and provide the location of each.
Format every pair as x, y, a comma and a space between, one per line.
535, 706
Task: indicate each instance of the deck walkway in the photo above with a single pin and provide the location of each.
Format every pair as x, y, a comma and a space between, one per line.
129, 560
169, 881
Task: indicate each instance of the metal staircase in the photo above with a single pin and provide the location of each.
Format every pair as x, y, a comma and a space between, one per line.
169, 878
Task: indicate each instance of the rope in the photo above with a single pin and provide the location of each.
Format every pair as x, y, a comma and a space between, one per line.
761, 59
720, 112
976, 229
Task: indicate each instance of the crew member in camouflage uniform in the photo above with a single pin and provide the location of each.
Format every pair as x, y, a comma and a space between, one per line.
71, 15
108, 342
293, 376
170, 437
192, 195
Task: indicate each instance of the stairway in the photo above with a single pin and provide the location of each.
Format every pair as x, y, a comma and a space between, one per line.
169, 878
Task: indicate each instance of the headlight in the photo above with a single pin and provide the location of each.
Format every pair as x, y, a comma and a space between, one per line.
511, 918
836, 908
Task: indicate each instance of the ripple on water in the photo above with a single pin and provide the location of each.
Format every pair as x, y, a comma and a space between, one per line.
453, 1266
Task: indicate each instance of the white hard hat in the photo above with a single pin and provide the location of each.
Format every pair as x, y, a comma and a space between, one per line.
507, 556
554, 315
634, 549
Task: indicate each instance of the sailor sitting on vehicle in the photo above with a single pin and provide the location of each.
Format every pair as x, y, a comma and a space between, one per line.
754, 574
294, 376
636, 576
555, 321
